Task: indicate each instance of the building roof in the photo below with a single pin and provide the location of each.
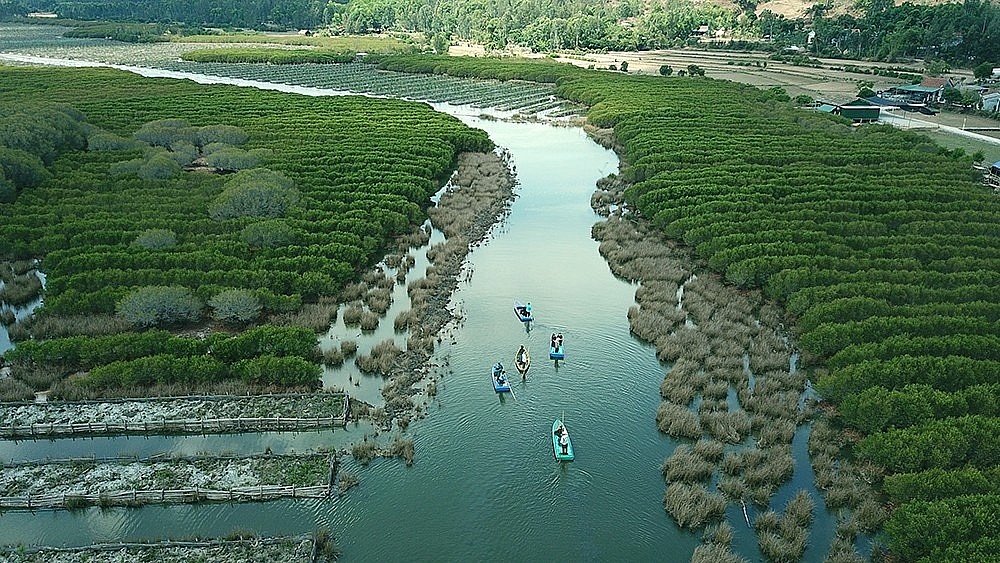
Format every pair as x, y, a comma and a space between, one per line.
935, 82
918, 88
885, 102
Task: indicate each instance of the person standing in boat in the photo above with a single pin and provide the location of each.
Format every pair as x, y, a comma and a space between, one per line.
520, 354
527, 309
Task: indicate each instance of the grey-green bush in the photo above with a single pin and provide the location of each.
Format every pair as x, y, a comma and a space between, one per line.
235, 306
159, 305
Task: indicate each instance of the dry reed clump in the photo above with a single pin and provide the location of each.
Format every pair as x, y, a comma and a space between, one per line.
773, 432
800, 509
726, 426
394, 260
48, 327
773, 466
333, 357
649, 324
405, 320
381, 358
20, 289
7, 317
870, 515
684, 343
354, 291
842, 551
684, 465
11, 268
733, 487
353, 314
14, 390
716, 390
346, 481
364, 451
657, 293
379, 300
691, 506
402, 447
423, 344
844, 491
37, 376
315, 316
375, 278
715, 553
768, 351
432, 389
681, 383
785, 538
678, 421
728, 347
418, 237
712, 405
676, 391
348, 348
369, 321
710, 450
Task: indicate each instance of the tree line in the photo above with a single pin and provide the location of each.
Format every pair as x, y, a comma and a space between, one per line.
962, 34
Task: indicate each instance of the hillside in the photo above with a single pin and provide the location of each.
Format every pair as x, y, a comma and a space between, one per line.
793, 9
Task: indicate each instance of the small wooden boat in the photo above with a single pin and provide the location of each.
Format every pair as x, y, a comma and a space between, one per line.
558, 432
556, 351
522, 312
522, 361
499, 377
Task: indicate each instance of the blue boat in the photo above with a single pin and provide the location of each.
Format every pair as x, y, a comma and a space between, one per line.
563, 452
556, 351
522, 311
499, 377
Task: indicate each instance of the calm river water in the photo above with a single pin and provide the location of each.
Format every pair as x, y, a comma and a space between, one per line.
484, 485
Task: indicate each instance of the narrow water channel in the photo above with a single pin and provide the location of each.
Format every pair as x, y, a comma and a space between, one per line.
484, 485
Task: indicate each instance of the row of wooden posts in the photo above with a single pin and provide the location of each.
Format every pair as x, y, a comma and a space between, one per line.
175, 426
164, 544
184, 426
162, 496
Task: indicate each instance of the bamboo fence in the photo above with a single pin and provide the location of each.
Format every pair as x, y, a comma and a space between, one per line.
166, 399
175, 426
165, 544
136, 497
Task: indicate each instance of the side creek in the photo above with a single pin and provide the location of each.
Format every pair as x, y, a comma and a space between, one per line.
484, 485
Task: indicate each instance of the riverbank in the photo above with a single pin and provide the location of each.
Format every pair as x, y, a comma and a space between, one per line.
475, 200
733, 387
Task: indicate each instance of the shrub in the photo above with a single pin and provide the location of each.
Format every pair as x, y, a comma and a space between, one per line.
237, 306
258, 192
165, 132
285, 371
159, 305
269, 234
231, 159
155, 239
158, 167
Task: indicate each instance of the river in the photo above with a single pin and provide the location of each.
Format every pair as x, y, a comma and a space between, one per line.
484, 485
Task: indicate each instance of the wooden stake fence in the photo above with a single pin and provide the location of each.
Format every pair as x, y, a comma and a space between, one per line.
177, 426
165, 544
162, 496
